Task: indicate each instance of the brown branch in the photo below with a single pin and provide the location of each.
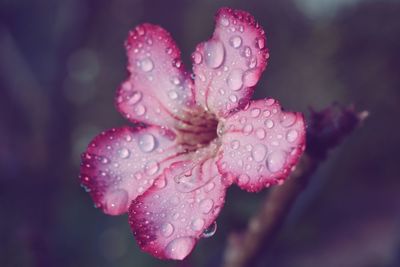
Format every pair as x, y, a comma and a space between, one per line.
326, 130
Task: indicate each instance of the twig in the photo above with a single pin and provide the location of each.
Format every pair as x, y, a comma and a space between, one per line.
326, 130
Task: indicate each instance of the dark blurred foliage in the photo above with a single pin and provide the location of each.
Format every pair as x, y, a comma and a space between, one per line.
61, 61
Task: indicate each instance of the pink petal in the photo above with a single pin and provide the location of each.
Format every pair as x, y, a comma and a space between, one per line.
158, 90
171, 216
121, 164
261, 144
228, 66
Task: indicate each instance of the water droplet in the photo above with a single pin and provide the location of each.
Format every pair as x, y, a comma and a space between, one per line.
224, 22
177, 63
292, 135
179, 248
269, 102
147, 142
214, 53
259, 152
275, 161
235, 144
167, 229
233, 98
255, 112
168, 50
288, 119
235, 41
117, 202
161, 183
244, 179
135, 97
260, 133
175, 80
245, 51
266, 113
250, 78
197, 58
140, 110
247, 129
197, 224
140, 30
124, 153
252, 62
147, 64
206, 205
210, 231
260, 43
173, 94
269, 123
152, 167
235, 79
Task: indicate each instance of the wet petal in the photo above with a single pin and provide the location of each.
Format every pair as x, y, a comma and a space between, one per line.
170, 217
122, 163
261, 144
158, 90
229, 65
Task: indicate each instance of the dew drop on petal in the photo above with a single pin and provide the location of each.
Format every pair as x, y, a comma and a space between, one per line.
210, 231
173, 94
224, 21
235, 79
291, 136
260, 133
255, 112
275, 161
179, 248
260, 43
140, 110
269, 123
152, 167
235, 144
160, 183
245, 51
247, 129
146, 64
167, 229
214, 53
147, 142
235, 41
244, 179
197, 57
233, 98
250, 78
197, 224
135, 98
288, 119
259, 152
124, 153
206, 205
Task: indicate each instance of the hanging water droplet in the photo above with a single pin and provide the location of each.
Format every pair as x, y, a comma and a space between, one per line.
235, 79
135, 97
259, 152
116, 202
146, 64
269, 123
235, 41
210, 231
197, 58
179, 248
152, 167
206, 205
124, 153
292, 135
167, 229
214, 53
275, 161
197, 224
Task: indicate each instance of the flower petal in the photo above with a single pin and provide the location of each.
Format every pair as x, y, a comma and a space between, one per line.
229, 64
171, 216
261, 144
158, 90
122, 163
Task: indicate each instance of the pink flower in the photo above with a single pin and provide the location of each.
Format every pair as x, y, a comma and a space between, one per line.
196, 136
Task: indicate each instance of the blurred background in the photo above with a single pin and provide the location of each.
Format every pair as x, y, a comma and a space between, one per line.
62, 60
